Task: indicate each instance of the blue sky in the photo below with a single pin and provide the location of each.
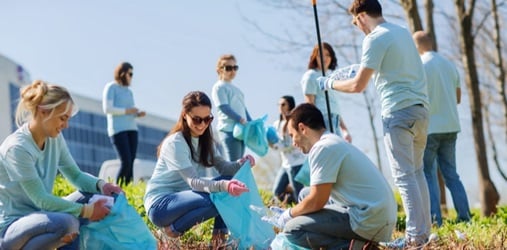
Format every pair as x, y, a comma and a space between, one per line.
173, 46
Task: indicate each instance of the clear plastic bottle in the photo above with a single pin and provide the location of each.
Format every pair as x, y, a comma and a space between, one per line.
345, 72
270, 214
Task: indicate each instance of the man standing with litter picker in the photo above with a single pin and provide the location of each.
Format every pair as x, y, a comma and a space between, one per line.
390, 53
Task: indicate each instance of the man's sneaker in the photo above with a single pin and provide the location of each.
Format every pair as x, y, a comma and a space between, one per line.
399, 243
402, 243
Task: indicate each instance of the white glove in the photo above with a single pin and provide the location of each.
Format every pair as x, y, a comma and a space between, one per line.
284, 218
325, 83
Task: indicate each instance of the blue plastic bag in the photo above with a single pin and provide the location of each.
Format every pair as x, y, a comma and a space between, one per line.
303, 175
244, 224
282, 243
254, 136
123, 228
271, 135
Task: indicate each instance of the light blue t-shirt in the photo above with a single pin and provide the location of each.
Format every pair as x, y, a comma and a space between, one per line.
443, 80
310, 86
23, 164
226, 93
175, 157
121, 97
400, 81
357, 185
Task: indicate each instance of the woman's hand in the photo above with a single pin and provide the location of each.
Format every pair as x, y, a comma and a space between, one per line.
245, 158
235, 187
95, 211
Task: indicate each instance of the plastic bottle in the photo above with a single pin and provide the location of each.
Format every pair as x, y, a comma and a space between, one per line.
269, 215
345, 72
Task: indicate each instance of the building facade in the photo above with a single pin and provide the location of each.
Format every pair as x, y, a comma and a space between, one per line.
86, 136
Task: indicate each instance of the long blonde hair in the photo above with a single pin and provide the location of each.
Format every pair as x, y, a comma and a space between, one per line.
41, 95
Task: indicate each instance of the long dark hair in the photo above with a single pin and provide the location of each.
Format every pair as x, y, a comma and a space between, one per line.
290, 101
206, 152
312, 63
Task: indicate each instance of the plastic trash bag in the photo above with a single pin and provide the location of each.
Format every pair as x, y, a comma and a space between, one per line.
244, 224
282, 243
237, 132
254, 136
123, 228
303, 175
271, 135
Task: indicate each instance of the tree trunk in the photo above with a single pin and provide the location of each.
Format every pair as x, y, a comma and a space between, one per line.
489, 194
413, 18
499, 61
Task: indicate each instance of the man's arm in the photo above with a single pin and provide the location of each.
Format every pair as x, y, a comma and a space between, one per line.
315, 201
310, 99
356, 84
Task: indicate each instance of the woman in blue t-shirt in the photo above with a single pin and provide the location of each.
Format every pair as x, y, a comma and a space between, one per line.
118, 105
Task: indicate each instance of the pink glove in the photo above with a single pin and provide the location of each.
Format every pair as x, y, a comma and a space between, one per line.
249, 158
235, 187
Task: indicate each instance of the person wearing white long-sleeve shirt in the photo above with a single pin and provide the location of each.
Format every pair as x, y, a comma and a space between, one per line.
118, 104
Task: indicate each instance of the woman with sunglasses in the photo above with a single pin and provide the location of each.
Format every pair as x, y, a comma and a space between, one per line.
31, 217
118, 105
230, 103
177, 195
292, 157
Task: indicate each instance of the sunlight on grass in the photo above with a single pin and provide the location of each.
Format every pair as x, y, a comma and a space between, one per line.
480, 233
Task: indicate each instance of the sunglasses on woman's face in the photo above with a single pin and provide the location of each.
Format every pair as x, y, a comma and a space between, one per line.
198, 120
231, 67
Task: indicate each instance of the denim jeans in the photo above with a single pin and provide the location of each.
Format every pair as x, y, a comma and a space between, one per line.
125, 143
284, 177
405, 134
183, 210
335, 119
440, 153
234, 149
44, 230
39, 230
328, 227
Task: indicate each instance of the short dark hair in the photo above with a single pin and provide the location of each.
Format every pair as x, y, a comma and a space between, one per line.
371, 7
307, 114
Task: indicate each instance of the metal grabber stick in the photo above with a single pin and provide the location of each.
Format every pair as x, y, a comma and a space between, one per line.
321, 55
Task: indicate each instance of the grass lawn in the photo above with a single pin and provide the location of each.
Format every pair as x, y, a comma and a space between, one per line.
480, 233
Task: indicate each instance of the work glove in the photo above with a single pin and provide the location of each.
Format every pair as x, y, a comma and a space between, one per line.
284, 218
325, 83
245, 158
235, 187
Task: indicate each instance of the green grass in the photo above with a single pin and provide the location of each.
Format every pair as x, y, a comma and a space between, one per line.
480, 233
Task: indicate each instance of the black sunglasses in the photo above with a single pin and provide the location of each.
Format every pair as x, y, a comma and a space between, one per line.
199, 120
231, 67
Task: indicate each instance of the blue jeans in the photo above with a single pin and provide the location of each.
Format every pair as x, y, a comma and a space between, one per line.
44, 230
234, 149
284, 177
405, 134
183, 210
125, 143
335, 119
440, 153
39, 230
328, 227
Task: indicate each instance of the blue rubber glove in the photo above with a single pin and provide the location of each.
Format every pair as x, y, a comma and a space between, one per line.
284, 218
325, 83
